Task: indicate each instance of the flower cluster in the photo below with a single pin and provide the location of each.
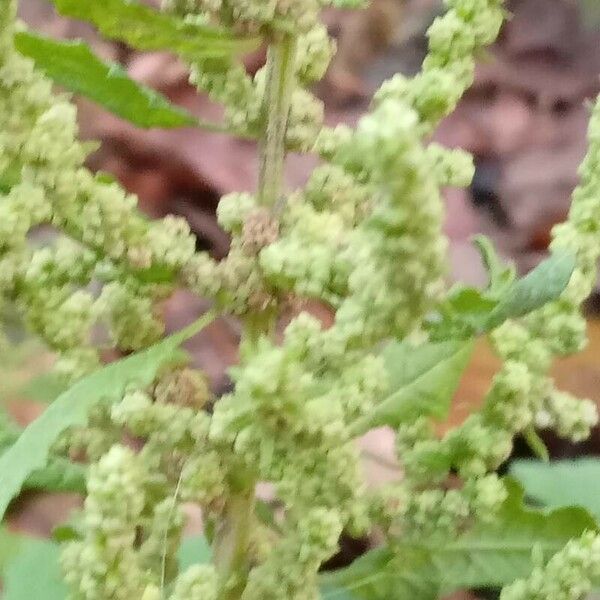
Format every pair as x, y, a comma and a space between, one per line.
132, 521
291, 568
448, 70
364, 236
522, 394
569, 575
197, 583
412, 514
292, 427
105, 564
104, 239
243, 95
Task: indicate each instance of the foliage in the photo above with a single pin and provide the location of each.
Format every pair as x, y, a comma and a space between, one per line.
31, 450
489, 554
468, 311
422, 380
590, 14
73, 65
33, 570
144, 435
145, 29
26, 556
561, 482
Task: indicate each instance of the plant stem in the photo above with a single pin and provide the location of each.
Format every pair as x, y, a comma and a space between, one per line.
276, 108
233, 532
232, 538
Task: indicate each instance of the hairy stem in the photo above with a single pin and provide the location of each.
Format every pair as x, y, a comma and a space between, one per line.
276, 108
233, 532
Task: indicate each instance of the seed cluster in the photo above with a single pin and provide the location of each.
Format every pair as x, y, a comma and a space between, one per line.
364, 235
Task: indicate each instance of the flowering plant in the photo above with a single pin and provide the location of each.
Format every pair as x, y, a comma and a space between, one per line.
363, 236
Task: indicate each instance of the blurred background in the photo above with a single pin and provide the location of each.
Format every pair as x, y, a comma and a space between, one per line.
524, 121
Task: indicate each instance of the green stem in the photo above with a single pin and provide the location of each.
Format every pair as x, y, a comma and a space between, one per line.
276, 108
8, 15
233, 532
232, 539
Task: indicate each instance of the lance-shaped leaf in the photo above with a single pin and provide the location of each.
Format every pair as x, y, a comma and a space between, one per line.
490, 554
561, 482
147, 29
467, 311
31, 451
542, 285
59, 475
74, 66
423, 380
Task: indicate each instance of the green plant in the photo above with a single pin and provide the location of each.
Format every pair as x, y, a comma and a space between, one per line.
561, 482
364, 236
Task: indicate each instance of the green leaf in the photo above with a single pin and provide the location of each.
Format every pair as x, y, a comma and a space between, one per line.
331, 592
9, 544
561, 483
31, 451
500, 275
542, 285
461, 314
9, 177
266, 514
590, 14
105, 177
70, 530
423, 379
383, 574
9, 430
470, 303
59, 475
468, 312
34, 572
497, 553
74, 66
65, 533
146, 29
193, 550
487, 555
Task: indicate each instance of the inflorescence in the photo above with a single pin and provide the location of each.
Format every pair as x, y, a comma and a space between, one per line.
363, 236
